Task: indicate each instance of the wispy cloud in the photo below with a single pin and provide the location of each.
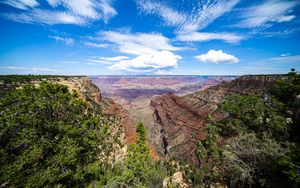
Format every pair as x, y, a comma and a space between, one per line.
67, 41
151, 52
45, 17
286, 18
275, 65
169, 15
106, 60
76, 12
267, 13
198, 36
29, 69
217, 56
112, 59
139, 43
202, 14
272, 33
95, 45
285, 59
21, 4
69, 62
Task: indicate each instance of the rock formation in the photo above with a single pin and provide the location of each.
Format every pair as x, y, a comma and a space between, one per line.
181, 119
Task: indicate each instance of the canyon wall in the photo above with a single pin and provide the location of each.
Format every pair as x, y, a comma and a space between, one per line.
181, 119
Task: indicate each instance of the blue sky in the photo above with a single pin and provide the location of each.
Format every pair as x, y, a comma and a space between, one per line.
108, 37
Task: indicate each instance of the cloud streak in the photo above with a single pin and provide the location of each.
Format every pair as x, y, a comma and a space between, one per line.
66, 41
21, 4
29, 69
267, 13
199, 36
95, 45
204, 13
77, 12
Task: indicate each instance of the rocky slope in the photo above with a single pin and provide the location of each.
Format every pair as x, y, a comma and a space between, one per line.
118, 118
134, 93
181, 119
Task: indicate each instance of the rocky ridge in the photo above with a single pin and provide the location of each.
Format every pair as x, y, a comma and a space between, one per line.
121, 125
181, 119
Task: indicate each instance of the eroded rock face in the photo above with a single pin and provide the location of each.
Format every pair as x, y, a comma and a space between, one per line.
182, 119
177, 180
121, 125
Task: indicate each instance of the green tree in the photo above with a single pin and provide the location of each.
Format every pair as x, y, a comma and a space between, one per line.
47, 138
139, 169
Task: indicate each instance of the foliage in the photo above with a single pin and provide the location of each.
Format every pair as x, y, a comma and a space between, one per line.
51, 138
47, 138
252, 160
139, 169
287, 90
260, 144
10, 79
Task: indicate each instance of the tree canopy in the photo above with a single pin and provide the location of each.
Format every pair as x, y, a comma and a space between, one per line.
47, 138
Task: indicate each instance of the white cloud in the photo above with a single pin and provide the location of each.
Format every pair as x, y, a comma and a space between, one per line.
69, 62
95, 45
107, 10
116, 58
98, 61
163, 72
151, 52
136, 44
21, 4
198, 18
38, 69
79, 12
267, 13
286, 18
29, 69
13, 68
217, 56
286, 59
277, 64
67, 41
279, 33
284, 55
197, 36
148, 62
45, 17
106, 60
210, 11
170, 16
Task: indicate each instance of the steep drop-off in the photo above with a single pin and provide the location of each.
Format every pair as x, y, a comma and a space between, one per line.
181, 119
86, 89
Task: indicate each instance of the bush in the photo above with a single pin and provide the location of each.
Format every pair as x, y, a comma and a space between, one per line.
47, 138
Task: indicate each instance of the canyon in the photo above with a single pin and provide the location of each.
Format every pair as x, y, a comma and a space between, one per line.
174, 108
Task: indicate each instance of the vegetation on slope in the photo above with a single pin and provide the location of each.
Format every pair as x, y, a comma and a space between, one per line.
138, 169
258, 143
51, 138
48, 136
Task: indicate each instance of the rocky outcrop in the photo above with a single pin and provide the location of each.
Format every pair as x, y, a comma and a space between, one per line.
91, 93
177, 180
121, 127
182, 119
115, 109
